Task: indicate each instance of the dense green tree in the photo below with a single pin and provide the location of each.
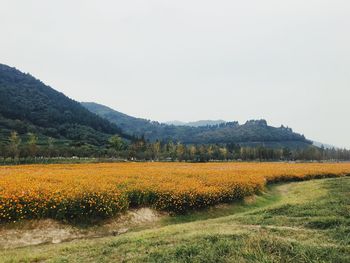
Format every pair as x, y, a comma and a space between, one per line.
180, 151
286, 153
32, 144
116, 143
15, 142
156, 150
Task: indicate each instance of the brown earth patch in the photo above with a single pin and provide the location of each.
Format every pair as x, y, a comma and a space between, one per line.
35, 232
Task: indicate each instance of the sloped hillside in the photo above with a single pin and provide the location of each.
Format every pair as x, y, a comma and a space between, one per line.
28, 105
253, 132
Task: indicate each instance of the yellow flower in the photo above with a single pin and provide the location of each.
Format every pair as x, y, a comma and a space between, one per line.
102, 190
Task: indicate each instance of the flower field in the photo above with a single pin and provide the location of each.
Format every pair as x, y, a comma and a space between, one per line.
86, 191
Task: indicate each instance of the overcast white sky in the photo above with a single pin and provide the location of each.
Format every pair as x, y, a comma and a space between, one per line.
286, 61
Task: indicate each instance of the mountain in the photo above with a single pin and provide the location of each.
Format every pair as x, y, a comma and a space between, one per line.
131, 125
199, 123
176, 123
28, 105
251, 133
324, 145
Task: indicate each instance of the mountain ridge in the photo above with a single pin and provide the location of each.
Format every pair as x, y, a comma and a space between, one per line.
253, 132
28, 105
198, 123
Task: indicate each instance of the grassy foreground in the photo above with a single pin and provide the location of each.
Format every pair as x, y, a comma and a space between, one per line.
294, 222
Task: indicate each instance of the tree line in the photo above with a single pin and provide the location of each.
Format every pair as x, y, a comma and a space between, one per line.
142, 150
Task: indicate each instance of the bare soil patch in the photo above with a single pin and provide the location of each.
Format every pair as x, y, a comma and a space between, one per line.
35, 232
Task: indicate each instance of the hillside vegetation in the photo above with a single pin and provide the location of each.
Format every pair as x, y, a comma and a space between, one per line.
282, 225
252, 133
28, 105
41, 125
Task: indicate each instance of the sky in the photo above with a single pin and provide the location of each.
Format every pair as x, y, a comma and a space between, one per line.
284, 61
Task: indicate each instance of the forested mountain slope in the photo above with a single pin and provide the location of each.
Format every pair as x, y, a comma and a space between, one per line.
253, 132
28, 105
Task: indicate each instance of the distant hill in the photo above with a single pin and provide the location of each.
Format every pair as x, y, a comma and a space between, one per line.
253, 132
28, 105
199, 123
176, 123
129, 124
324, 145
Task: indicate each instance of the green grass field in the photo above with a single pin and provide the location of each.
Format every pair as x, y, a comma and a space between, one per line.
294, 222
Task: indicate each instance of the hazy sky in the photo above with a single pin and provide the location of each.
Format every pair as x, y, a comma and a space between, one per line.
286, 61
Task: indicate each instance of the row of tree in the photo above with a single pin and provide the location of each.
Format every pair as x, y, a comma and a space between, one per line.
140, 149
